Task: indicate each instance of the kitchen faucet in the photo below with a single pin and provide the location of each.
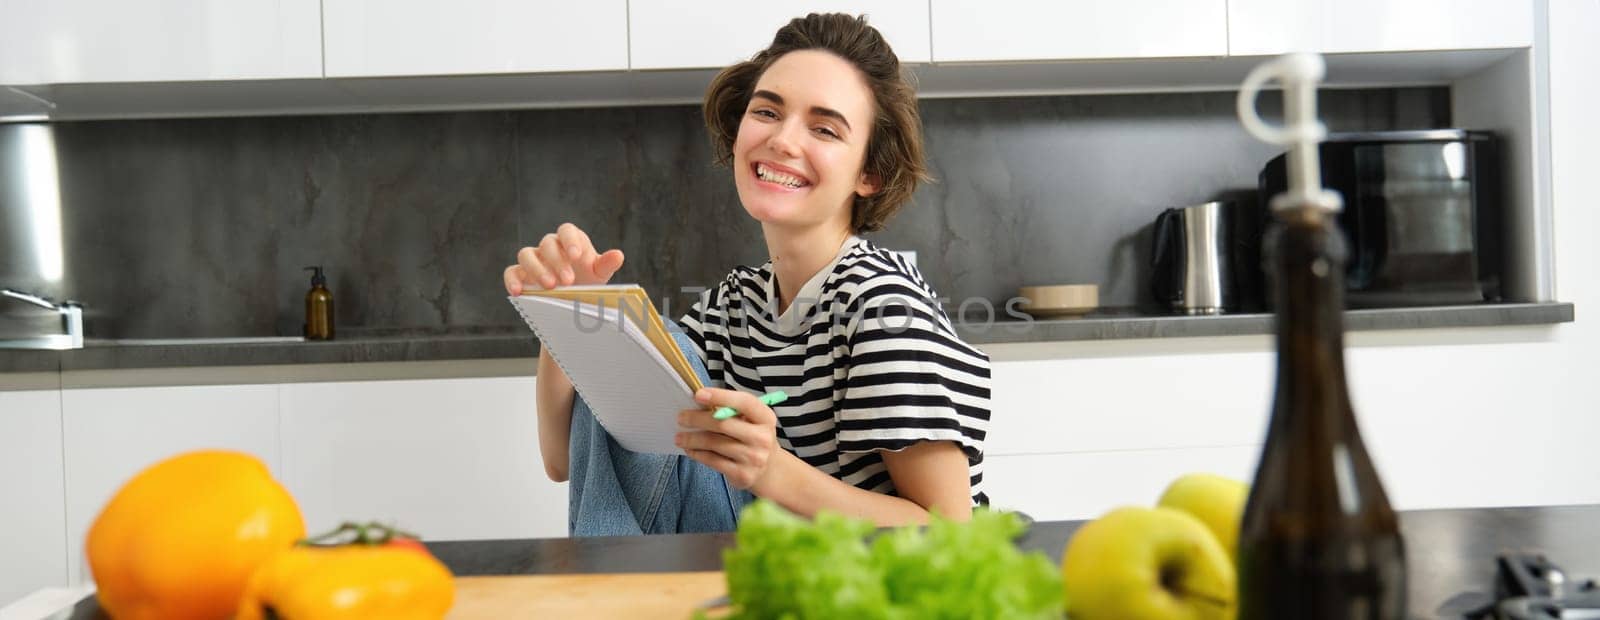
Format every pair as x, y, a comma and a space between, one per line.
71, 317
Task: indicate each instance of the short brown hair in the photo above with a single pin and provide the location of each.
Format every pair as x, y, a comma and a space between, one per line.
894, 148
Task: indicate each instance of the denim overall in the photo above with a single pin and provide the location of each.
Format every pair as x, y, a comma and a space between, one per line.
615, 492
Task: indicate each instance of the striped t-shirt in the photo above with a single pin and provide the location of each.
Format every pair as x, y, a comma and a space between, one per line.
867, 356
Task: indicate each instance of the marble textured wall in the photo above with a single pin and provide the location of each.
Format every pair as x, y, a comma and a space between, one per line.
201, 227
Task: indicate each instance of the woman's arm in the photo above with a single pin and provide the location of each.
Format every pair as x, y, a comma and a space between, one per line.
935, 475
554, 401
928, 475
564, 257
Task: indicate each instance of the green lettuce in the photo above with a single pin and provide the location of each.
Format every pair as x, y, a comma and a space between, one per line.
784, 566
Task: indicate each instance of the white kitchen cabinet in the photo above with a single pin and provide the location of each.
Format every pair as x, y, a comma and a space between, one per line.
999, 30
1260, 27
1130, 402
78, 41
110, 434
1084, 485
447, 458
34, 539
668, 34
432, 37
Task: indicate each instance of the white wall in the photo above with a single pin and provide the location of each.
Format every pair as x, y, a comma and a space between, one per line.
1575, 130
1463, 417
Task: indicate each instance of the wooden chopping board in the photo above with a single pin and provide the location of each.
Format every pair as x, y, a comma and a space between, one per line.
606, 595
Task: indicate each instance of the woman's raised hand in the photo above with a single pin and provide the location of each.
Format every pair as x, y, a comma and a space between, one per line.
564, 257
742, 448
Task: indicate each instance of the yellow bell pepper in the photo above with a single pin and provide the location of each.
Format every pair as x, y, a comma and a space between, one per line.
375, 576
179, 540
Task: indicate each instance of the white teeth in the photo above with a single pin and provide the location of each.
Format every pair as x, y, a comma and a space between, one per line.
777, 177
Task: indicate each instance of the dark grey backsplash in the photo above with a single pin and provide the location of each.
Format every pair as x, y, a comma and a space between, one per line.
201, 227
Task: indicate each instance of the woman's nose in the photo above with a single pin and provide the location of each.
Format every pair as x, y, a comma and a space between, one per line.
784, 141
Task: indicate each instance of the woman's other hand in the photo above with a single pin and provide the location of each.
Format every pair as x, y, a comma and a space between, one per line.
740, 447
564, 257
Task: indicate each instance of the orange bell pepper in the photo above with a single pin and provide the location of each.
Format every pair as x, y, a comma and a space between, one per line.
180, 539
382, 573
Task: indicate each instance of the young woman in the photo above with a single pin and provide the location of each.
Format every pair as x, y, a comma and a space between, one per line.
887, 407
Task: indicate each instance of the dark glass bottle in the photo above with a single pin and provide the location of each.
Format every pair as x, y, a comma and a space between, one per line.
1318, 537
319, 307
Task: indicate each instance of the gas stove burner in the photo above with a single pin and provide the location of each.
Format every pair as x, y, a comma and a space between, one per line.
1531, 587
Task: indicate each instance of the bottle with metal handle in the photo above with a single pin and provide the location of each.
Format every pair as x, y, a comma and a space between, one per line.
1318, 539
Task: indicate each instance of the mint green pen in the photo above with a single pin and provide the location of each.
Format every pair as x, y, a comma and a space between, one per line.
769, 399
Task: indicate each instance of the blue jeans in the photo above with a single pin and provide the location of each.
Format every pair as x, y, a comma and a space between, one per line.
615, 492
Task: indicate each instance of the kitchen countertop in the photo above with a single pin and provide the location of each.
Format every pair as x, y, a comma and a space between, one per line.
517, 342
396, 346
1448, 552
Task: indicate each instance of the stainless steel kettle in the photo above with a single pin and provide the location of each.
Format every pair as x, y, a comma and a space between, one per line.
1191, 259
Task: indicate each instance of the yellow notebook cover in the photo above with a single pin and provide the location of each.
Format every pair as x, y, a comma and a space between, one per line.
615, 348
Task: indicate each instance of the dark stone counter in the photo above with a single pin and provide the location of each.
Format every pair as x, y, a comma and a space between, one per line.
1450, 554
1121, 326
515, 342
17, 360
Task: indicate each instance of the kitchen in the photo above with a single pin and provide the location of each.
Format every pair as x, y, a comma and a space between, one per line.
405, 150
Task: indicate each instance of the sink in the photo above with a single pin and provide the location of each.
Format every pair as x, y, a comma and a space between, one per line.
55, 342
23, 326
138, 342
61, 343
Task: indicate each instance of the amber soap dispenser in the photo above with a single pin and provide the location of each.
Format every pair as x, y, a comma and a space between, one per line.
319, 307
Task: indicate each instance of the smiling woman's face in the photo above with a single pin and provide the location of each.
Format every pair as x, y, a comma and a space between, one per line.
797, 161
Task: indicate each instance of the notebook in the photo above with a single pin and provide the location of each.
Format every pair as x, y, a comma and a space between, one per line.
616, 350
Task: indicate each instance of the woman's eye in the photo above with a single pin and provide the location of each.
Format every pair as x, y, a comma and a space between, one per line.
765, 113
827, 132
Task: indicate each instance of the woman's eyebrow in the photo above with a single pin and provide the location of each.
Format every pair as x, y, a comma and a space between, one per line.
777, 99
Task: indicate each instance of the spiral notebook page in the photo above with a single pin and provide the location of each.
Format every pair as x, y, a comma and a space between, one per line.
629, 385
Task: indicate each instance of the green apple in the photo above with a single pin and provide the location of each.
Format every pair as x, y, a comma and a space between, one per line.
1218, 502
1137, 563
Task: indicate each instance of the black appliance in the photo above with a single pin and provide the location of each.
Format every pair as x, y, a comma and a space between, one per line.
1422, 212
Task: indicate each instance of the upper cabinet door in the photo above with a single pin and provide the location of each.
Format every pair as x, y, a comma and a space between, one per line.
673, 34
1258, 27
433, 37
80, 41
991, 30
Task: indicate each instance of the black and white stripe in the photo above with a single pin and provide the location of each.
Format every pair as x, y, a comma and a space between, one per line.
874, 367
